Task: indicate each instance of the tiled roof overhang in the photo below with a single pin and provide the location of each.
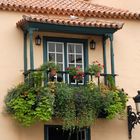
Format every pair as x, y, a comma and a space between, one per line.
80, 22
66, 7
68, 25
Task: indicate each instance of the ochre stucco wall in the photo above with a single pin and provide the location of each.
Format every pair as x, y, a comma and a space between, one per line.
127, 58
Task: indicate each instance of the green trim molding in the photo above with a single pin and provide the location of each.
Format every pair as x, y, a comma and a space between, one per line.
68, 29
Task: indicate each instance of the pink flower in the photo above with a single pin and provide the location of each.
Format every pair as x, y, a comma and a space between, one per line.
74, 77
78, 67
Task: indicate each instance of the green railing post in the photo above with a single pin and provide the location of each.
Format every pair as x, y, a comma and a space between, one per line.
25, 55
112, 55
31, 49
25, 52
104, 58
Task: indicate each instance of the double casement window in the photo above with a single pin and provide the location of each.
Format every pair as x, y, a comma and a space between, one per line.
66, 53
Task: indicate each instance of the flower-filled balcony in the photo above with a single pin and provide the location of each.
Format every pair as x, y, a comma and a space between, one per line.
72, 96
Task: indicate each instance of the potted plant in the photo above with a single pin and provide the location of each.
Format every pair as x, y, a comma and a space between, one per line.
50, 66
95, 68
75, 73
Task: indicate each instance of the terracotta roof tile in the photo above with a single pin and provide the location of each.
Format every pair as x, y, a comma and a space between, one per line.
70, 21
66, 7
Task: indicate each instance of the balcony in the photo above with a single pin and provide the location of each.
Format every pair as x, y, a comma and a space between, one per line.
64, 76
77, 102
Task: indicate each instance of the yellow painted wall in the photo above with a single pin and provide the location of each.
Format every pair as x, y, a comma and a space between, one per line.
127, 59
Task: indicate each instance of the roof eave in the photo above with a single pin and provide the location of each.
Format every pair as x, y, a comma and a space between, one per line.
48, 27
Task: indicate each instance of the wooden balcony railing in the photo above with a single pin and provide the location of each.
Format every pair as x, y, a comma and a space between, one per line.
65, 77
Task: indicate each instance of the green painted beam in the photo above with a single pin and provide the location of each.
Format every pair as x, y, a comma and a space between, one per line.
31, 49
25, 52
68, 29
104, 57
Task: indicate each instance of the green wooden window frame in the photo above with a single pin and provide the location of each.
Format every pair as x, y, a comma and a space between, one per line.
65, 41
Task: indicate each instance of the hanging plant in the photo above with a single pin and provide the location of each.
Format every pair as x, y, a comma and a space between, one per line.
87, 104
113, 102
64, 105
28, 105
21, 105
77, 107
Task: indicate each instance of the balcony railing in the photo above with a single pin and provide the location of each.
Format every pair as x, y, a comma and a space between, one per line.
65, 77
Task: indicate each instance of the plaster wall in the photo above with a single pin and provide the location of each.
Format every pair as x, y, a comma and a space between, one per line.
127, 58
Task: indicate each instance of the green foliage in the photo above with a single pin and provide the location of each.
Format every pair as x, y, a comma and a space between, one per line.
30, 105
22, 108
95, 68
64, 105
114, 102
50, 65
111, 82
14, 93
44, 106
87, 103
77, 107
36, 78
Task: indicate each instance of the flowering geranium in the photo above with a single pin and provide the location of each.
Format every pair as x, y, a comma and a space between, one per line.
95, 68
75, 72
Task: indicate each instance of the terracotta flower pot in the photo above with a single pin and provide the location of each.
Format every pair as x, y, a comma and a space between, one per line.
97, 74
53, 72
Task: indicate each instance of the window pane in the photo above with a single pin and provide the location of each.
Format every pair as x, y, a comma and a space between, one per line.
71, 65
78, 58
59, 57
71, 58
71, 48
78, 48
51, 57
51, 47
59, 47
60, 66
